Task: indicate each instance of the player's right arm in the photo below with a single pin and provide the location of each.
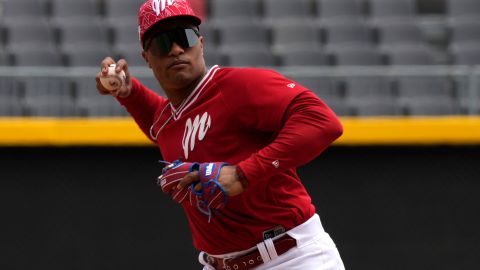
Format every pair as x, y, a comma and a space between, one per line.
141, 102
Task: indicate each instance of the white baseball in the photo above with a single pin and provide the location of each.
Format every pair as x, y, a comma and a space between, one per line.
112, 81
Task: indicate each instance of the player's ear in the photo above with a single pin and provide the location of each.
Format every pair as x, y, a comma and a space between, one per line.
201, 42
145, 57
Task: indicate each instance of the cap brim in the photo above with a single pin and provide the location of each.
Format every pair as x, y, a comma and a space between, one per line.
194, 19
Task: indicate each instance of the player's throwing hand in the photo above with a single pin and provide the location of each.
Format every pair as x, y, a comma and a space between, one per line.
124, 90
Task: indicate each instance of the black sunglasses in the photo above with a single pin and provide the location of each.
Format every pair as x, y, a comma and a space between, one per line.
161, 44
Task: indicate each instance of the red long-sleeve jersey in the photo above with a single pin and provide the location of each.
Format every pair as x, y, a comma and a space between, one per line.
257, 119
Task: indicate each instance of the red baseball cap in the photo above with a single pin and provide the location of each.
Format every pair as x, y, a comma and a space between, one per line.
153, 12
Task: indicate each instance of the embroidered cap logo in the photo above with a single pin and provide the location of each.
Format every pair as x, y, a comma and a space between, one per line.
160, 5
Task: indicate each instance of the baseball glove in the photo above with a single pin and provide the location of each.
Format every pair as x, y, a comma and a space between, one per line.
172, 174
211, 195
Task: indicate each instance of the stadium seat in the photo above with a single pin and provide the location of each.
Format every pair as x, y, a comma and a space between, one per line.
24, 10
359, 88
324, 87
295, 35
465, 54
76, 35
461, 9
122, 11
125, 36
275, 11
432, 107
410, 55
10, 108
304, 57
25, 35
48, 108
327, 89
233, 36
85, 57
46, 88
84, 89
339, 106
464, 31
68, 10
100, 106
99, 109
46, 96
392, 9
352, 33
132, 55
340, 10
151, 82
90, 103
38, 57
250, 57
213, 57
228, 11
395, 32
209, 33
5, 58
9, 89
357, 56
370, 95
411, 88
376, 107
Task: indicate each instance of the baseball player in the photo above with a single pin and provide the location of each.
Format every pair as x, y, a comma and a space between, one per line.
231, 139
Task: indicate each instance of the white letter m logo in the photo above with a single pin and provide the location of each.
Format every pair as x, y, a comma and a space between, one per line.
195, 130
160, 5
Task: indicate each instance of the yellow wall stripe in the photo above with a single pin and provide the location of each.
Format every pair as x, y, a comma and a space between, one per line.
411, 131
70, 132
124, 131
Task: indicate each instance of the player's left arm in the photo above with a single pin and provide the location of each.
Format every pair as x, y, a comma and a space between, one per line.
309, 127
304, 124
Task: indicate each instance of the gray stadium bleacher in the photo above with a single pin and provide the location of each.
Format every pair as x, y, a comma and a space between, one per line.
410, 55
287, 35
461, 9
305, 56
26, 10
347, 32
234, 11
381, 10
63, 11
234, 35
322, 43
278, 11
340, 10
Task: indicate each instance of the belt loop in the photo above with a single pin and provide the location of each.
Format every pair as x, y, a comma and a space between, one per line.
263, 252
202, 258
271, 248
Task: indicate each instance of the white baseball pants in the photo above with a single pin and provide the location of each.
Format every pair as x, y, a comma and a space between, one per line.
315, 250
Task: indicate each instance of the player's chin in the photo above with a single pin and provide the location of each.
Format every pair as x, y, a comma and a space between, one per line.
180, 75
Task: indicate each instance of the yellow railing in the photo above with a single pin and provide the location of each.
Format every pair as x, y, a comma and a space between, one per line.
124, 131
